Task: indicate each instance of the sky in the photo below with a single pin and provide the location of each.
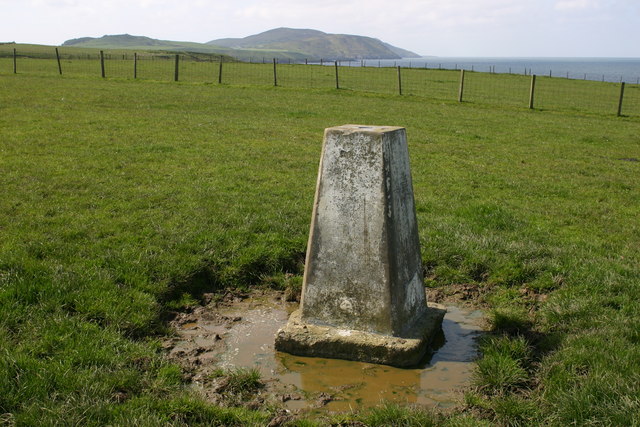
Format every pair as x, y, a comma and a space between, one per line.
473, 28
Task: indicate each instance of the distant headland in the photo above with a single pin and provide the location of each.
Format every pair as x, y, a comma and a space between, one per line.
297, 44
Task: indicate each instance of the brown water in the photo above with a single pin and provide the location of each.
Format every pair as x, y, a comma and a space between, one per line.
436, 382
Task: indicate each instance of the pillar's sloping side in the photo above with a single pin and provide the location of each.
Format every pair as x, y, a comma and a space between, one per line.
363, 267
408, 300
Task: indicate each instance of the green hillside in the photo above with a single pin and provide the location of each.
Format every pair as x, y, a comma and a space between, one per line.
317, 44
126, 41
141, 43
281, 43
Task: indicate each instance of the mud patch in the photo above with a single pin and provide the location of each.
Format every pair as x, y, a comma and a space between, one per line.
237, 331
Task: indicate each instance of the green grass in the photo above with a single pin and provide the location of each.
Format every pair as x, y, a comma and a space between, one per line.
503, 366
504, 90
391, 414
114, 51
122, 199
240, 380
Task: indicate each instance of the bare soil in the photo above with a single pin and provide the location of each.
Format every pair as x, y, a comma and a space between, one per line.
200, 341
236, 328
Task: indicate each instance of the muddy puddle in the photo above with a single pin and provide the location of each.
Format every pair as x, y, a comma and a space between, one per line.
241, 334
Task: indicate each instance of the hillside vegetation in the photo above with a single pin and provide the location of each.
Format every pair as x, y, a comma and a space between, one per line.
123, 200
316, 44
281, 43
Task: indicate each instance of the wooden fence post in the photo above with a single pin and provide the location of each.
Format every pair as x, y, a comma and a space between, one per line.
620, 100
220, 72
135, 65
275, 72
460, 92
102, 63
58, 58
399, 81
15, 61
177, 70
532, 91
337, 79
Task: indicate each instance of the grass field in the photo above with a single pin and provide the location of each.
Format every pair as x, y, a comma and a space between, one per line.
123, 199
503, 90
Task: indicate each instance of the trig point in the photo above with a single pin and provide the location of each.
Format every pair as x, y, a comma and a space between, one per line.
363, 295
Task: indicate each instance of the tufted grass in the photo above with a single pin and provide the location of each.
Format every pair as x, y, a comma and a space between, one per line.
124, 199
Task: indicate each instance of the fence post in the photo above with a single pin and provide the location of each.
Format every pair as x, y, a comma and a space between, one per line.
177, 70
460, 92
135, 65
102, 62
399, 81
275, 72
220, 72
532, 91
15, 62
337, 79
620, 100
58, 58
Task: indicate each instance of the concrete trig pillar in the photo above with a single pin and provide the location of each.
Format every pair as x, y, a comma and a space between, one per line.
363, 296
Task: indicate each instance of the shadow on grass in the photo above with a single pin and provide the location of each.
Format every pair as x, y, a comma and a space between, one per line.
198, 287
510, 357
516, 324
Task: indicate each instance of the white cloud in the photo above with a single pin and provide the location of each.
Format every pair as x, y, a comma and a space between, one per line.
381, 12
575, 5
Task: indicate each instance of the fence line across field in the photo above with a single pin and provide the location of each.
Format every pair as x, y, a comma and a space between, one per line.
477, 86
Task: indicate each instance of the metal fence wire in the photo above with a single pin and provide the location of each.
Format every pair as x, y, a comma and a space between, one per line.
481, 87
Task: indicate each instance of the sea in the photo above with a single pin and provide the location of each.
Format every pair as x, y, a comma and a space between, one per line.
599, 69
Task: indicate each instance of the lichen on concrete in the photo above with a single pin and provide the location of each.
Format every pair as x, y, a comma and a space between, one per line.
363, 270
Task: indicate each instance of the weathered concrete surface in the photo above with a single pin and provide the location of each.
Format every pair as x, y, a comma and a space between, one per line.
363, 269
307, 339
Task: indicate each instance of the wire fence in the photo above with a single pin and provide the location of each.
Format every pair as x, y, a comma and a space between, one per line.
512, 90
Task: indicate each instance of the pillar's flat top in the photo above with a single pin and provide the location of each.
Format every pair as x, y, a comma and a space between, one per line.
347, 129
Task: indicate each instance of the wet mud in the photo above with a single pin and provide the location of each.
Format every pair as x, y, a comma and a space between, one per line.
237, 331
